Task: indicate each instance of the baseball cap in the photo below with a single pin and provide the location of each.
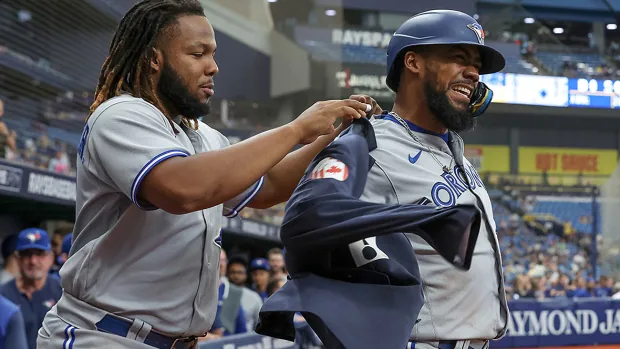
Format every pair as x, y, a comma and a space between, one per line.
33, 238
259, 263
66, 243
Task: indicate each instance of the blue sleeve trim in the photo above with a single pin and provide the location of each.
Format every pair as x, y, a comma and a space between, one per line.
147, 168
69, 337
235, 211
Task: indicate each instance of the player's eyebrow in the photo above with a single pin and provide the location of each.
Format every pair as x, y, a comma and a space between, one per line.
468, 55
460, 49
202, 45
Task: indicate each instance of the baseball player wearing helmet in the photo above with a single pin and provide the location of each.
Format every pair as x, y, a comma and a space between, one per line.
153, 185
434, 62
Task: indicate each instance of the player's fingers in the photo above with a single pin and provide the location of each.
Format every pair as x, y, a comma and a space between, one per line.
376, 108
355, 104
330, 102
352, 113
361, 98
322, 105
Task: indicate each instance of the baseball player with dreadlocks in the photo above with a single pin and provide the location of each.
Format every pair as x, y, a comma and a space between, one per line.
153, 185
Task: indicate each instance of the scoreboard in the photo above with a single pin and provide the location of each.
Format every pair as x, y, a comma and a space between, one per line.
592, 93
553, 91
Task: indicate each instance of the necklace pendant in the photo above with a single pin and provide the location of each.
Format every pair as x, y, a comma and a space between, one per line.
446, 169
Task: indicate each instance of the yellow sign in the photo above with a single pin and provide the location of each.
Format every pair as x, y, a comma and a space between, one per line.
489, 158
567, 160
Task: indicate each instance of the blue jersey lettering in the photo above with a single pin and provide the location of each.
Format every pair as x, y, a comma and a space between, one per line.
446, 193
82, 145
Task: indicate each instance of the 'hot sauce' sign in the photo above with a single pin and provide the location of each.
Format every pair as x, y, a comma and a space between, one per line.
567, 160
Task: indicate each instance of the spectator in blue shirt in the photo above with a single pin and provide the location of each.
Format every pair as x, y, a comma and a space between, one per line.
33, 291
12, 330
260, 276
581, 290
65, 249
230, 317
63, 256
240, 325
605, 287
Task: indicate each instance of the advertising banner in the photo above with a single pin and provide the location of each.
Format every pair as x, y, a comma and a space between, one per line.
489, 158
561, 322
567, 160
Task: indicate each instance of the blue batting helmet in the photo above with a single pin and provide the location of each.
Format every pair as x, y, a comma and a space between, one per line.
439, 27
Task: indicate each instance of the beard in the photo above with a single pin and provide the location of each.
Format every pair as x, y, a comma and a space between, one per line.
440, 106
176, 92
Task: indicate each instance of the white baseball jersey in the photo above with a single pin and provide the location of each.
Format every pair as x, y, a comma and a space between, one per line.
458, 305
128, 257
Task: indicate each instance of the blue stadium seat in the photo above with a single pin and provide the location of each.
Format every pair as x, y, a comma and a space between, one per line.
576, 212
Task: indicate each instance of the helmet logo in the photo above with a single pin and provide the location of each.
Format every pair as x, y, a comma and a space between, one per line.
477, 28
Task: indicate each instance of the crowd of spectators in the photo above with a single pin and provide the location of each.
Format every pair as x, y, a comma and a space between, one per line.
572, 69
551, 266
35, 148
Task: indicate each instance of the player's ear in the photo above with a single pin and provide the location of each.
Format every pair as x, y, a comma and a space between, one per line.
412, 61
157, 60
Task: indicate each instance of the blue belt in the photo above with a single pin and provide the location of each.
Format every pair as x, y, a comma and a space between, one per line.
120, 327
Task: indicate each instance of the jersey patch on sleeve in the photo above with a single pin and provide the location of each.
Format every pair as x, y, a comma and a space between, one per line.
330, 168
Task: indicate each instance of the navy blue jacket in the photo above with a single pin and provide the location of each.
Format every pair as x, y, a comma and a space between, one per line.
353, 273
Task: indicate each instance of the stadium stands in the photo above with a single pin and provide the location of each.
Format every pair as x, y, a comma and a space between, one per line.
514, 62
46, 66
574, 64
577, 211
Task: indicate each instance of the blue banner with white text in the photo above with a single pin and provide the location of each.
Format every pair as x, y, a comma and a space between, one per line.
562, 322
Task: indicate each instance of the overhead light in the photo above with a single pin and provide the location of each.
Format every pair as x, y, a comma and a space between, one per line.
528, 20
476, 17
558, 30
330, 13
272, 0
612, 26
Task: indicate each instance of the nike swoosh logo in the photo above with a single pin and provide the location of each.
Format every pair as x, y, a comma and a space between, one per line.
414, 159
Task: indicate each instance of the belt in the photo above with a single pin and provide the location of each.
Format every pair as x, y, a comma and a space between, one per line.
454, 344
121, 327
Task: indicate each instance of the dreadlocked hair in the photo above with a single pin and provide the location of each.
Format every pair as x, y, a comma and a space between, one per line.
128, 63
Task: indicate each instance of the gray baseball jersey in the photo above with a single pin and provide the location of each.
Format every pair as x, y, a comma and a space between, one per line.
128, 257
458, 304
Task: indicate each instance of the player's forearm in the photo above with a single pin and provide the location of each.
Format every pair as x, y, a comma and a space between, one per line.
282, 179
211, 178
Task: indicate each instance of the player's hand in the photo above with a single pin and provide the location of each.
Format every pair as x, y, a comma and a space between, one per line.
376, 109
319, 119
